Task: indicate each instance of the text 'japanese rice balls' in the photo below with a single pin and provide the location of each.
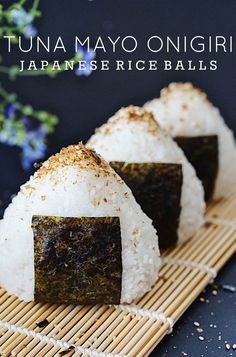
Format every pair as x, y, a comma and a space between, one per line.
155, 168
199, 129
75, 234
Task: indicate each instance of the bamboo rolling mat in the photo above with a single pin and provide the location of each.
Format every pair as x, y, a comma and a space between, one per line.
124, 330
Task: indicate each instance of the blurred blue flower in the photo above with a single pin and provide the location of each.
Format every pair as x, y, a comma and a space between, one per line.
33, 147
33, 142
7, 136
8, 132
20, 17
30, 31
9, 110
24, 19
32, 151
27, 123
87, 56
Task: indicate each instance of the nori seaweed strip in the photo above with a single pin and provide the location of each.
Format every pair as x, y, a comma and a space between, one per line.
77, 260
157, 188
202, 152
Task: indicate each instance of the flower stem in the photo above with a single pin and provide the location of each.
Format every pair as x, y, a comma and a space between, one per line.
3, 93
4, 70
21, 2
35, 6
8, 97
14, 71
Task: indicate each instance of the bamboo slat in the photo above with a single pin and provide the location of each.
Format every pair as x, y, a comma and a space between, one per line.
124, 330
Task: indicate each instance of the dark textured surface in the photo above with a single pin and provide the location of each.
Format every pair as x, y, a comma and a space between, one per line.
202, 152
216, 315
151, 184
85, 103
77, 260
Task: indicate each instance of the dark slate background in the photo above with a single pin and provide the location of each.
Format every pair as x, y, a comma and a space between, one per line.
84, 103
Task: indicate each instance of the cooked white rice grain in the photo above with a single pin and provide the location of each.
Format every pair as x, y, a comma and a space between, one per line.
132, 135
184, 110
74, 184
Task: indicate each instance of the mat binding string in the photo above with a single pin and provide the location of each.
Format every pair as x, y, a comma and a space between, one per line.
58, 343
157, 315
221, 221
124, 330
190, 264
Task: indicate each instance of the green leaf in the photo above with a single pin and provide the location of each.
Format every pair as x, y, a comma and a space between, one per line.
13, 72
27, 110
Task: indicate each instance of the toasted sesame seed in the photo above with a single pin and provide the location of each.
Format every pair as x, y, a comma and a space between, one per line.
227, 346
199, 329
73, 155
196, 323
201, 338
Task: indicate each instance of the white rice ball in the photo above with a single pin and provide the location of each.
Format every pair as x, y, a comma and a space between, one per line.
184, 110
132, 135
74, 184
